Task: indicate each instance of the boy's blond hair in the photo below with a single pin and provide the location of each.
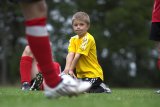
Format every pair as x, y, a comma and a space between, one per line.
82, 16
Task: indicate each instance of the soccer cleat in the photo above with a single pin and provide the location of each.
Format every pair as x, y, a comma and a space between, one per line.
25, 86
67, 87
106, 88
37, 82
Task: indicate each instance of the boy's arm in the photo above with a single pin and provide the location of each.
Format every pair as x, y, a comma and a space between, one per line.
73, 64
69, 60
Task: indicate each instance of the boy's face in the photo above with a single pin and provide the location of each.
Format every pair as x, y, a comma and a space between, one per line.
80, 27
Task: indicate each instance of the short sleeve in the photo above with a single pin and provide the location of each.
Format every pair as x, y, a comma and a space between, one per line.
71, 47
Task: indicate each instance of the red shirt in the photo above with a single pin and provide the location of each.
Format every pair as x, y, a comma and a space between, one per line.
156, 11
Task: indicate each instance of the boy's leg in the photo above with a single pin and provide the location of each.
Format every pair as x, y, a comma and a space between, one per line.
37, 77
105, 88
155, 36
38, 39
158, 60
98, 86
31, 79
25, 68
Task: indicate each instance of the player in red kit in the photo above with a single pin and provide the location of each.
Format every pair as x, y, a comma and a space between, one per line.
30, 73
155, 29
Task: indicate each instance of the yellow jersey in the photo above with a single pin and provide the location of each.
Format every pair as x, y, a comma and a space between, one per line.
87, 65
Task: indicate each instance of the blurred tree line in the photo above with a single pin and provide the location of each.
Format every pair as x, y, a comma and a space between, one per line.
121, 29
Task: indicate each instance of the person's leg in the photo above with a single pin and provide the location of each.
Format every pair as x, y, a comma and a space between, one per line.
158, 49
98, 86
155, 36
25, 68
36, 76
31, 79
158, 61
34, 70
38, 39
58, 69
105, 87
94, 84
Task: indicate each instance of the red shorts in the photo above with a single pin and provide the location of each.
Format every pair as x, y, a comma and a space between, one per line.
155, 31
16, 1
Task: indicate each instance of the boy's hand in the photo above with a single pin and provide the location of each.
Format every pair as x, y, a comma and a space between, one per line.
66, 71
71, 73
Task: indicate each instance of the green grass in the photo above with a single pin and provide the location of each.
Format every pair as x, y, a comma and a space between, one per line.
14, 97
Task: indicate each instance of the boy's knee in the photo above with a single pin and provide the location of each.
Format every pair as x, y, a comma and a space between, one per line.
27, 51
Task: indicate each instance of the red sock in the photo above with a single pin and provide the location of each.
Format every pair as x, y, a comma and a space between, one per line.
25, 68
39, 43
58, 67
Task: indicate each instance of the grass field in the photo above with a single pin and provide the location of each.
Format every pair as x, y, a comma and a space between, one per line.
14, 97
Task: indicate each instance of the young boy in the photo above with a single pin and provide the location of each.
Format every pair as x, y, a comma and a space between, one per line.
82, 55
31, 76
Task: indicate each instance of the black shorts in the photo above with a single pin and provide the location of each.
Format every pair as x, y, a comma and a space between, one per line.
96, 85
16, 1
155, 31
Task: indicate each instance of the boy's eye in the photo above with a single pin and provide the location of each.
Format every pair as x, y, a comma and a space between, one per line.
75, 24
81, 24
